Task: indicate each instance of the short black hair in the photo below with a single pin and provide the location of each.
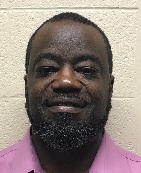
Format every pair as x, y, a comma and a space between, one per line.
76, 18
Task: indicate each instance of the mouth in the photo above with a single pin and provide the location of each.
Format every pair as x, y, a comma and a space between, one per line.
66, 105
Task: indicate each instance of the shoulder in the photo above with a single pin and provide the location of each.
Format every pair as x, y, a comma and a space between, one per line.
121, 159
132, 160
14, 156
12, 150
7, 158
9, 152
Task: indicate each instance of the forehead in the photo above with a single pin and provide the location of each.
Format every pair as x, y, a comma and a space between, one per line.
68, 38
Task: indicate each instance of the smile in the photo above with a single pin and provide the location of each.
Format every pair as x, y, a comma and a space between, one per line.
66, 105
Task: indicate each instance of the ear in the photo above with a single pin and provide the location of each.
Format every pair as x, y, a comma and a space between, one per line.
25, 79
26, 89
111, 83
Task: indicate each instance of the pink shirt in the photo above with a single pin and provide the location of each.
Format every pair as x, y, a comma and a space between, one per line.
22, 158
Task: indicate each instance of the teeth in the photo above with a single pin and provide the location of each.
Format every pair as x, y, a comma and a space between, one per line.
64, 104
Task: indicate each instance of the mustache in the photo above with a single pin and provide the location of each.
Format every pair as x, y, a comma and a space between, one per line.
65, 96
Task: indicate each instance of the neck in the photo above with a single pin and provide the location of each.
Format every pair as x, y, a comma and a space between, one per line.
76, 161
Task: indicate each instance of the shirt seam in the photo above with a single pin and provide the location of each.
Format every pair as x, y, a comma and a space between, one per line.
8, 153
137, 161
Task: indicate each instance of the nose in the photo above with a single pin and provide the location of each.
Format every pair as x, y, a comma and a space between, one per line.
66, 81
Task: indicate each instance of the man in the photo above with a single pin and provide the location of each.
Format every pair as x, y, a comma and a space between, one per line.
69, 85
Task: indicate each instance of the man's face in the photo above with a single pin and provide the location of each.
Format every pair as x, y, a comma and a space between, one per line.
68, 83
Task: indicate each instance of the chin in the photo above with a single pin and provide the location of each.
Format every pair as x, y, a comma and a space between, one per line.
65, 133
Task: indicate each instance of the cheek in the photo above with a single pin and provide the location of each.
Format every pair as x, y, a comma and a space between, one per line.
98, 90
34, 96
37, 87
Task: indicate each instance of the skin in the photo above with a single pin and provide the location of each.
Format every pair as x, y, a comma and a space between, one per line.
80, 65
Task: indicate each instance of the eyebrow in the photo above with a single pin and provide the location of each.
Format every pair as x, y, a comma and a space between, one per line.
77, 59
48, 56
89, 57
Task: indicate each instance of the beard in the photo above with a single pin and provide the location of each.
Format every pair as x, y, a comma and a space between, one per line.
65, 132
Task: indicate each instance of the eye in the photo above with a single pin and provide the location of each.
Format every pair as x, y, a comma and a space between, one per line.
46, 71
88, 71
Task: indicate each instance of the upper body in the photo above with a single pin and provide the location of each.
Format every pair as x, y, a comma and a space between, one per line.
22, 157
68, 89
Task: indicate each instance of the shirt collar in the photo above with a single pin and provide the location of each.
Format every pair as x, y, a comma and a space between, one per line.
26, 160
107, 159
